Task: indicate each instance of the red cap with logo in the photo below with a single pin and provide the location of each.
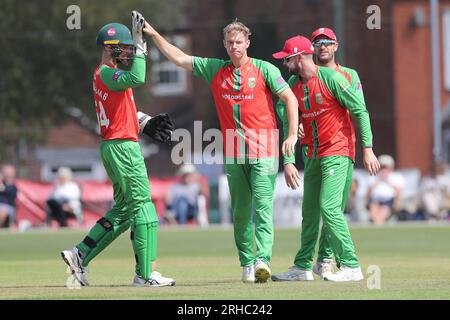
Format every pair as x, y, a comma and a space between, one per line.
327, 32
295, 45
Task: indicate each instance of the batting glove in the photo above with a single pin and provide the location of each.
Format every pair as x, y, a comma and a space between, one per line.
159, 128
137, 22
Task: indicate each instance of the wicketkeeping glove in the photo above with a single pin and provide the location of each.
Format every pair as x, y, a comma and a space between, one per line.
159, 128
137, 22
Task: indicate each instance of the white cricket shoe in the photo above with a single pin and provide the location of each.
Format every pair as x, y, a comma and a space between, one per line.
248, 274
323, 268
294, 274
345, 274
156, 280
73, 259
262, 271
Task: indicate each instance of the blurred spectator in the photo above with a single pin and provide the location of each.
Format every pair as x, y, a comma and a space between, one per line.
64, 201
385, 191
8, 194
182, 200
435, 193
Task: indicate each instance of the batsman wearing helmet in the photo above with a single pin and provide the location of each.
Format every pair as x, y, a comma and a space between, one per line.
122, 68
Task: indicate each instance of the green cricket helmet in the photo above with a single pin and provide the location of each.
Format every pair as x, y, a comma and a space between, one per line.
117, 37
114, 33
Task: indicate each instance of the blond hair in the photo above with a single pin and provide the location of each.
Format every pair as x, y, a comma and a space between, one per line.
237, 26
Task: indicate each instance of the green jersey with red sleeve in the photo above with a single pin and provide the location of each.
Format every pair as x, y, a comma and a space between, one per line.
323, 102
114, 102
243, 99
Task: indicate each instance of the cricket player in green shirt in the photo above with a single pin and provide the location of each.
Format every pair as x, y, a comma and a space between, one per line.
326, 101
325, 45
122, 68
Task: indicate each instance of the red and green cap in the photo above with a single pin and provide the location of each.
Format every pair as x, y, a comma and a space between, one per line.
114, 33
327, 32
294, 46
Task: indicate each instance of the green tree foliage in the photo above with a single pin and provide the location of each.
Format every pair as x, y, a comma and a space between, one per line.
47, 68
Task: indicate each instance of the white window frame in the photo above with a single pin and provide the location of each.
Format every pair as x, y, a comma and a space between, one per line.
161, 64
446, 47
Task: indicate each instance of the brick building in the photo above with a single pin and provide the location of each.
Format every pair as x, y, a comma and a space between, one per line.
394, 64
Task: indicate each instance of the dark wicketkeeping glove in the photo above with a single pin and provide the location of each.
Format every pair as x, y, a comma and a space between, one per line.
159, 127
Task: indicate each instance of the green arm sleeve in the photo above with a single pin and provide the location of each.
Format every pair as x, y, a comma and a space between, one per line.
349, 98
206, 68
273, 77
356, 84
120, 80
280, 109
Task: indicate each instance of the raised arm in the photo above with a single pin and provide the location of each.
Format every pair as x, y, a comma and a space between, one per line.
171, 52
119, 80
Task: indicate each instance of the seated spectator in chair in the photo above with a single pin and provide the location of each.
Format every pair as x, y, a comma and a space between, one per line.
385, 191
182, 198
65, 199
435, 192
8, 194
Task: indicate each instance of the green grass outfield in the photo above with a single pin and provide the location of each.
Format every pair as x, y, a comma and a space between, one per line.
414, 262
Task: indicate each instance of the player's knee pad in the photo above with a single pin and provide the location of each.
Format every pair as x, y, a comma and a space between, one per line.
146, 213
144, 239
91, 243
105, 223
103, 226
101, 235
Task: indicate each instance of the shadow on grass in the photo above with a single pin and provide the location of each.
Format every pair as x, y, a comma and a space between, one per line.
199, 284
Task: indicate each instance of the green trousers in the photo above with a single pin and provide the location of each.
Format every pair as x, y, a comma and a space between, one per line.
252, 186
324, 183
133, 206
325, 249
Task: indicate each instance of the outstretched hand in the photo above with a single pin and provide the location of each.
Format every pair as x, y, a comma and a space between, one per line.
148, 29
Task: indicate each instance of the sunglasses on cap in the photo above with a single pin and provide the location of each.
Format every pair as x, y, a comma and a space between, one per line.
286, 59
325, 42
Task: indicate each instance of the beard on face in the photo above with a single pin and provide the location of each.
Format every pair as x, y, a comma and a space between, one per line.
295, 70
326, 60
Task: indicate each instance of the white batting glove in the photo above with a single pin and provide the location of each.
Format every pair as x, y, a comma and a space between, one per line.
137, 22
